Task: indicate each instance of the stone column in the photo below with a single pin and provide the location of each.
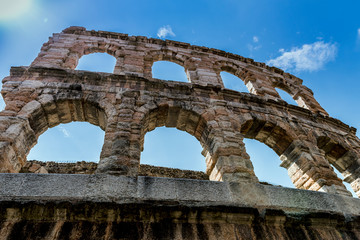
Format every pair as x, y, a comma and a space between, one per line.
121, 151
16, 140
204, 76
305, 98
227, 159
308, 169
120, 154
349, 166
132, 63
258, 85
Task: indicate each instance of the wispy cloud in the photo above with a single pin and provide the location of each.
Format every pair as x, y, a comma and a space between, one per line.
254, 46
309, 57
358, 39
165, 31
64, 131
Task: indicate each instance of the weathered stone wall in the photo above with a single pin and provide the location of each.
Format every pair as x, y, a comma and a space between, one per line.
101, 206
131, 103
127, 107
83, 167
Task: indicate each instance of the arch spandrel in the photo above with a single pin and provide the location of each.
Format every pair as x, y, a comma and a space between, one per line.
129, 103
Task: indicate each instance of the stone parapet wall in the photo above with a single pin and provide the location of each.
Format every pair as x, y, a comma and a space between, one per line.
33, 166
101, 206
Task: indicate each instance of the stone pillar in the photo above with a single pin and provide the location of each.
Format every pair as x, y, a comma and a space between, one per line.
202, 75
119, 65
120, 154
227, 159
17, 138
349, 166
121, 151
258, 85
305, 98
308, 169
132, 63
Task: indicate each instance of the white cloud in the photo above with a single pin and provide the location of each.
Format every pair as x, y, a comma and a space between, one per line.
64, 131
165, 31
309, 57
358, 33
255, 39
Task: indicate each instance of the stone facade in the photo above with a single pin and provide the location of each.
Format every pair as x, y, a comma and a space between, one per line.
130, 103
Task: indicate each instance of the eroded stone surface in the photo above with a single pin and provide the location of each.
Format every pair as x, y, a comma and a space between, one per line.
102, 206
83, 167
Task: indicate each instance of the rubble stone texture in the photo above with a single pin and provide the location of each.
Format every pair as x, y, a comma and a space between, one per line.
129, 103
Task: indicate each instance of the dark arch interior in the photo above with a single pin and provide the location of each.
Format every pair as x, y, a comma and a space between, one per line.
267, 132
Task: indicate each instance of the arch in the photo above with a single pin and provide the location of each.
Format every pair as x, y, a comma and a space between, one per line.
273, 133
171, 148
97, 62
333, 151
224, 162
185, 119
286, 96
242, 73
267, 164
166, 70
176, 116
232, 68
165, 55
230, 81
70, 142
80, 49
346, 184
306, 168
294, 91
344, 159
49, 112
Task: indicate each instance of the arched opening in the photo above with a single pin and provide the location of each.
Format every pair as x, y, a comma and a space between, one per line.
347, 185
233, 82
193, 137
71, 142
286, 97
166, 70
97, 62
50, 113
2, 104
169, 147
266, 164
340, 158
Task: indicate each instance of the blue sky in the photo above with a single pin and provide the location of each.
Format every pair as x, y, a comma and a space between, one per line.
318, 41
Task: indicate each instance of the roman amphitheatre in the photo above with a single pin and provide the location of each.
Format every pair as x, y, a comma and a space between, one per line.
120, 199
